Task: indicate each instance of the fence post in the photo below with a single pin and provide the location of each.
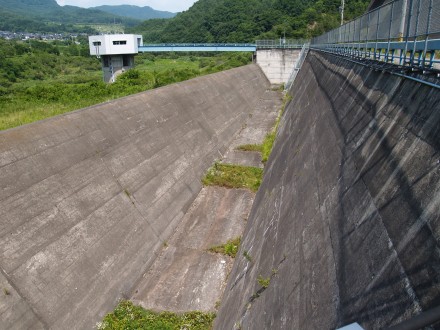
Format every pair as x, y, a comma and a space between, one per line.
402, 23
366, 37
408, 27
377, 33
359, 38
389, 32
413, 54
427, 36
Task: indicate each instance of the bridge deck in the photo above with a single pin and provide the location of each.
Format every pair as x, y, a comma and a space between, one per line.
198, 48
229, 47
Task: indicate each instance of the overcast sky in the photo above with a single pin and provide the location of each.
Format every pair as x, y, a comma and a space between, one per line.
167, 5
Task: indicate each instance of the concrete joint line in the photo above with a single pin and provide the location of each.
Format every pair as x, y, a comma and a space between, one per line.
12, 284
132, 200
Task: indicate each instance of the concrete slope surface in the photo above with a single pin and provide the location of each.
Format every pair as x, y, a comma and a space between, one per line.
345, 227
260, 123
187, 276
88, 198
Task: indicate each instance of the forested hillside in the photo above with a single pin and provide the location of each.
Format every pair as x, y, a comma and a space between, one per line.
247, 20
136, 12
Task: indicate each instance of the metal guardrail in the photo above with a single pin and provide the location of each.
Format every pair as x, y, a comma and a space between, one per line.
402, 32
199, 45
259, 44
281, 43
298, 65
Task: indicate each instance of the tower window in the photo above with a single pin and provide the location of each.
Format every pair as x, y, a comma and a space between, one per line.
96, 43
119, 42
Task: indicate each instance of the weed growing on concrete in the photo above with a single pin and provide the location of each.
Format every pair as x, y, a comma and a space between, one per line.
264, 282
266, 147
247, 256
249, 147
237, 326
128, 316
229, 249
129, 196
277, 88
6, 292
233, 176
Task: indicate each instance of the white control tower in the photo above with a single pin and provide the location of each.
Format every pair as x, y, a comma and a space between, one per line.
116, 51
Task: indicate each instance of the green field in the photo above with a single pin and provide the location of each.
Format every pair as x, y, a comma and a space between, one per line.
104, 28
40, 80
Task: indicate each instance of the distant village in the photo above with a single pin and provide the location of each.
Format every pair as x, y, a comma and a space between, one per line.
39, 36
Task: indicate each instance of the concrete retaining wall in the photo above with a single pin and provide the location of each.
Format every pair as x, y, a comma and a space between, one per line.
277, 64
87, 198
346, 224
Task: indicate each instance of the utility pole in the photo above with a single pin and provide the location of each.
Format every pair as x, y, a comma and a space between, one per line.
342, 11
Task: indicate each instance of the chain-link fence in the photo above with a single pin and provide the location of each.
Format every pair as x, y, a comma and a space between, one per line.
405, 32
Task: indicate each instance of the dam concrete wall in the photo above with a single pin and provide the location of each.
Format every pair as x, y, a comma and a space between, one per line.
277, 64
346, 224
88, 198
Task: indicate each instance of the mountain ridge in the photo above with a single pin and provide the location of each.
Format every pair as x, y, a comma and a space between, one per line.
136, 12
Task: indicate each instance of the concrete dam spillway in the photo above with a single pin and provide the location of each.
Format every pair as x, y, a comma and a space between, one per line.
345, 227
88, 199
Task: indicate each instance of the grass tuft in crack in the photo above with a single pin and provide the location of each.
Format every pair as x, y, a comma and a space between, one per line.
229, 249
128, 316
233, 176
264, 282
267, 145
249, 147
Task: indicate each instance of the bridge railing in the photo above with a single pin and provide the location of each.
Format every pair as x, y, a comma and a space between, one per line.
281, 43
403, 32
199, 45
270, 44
